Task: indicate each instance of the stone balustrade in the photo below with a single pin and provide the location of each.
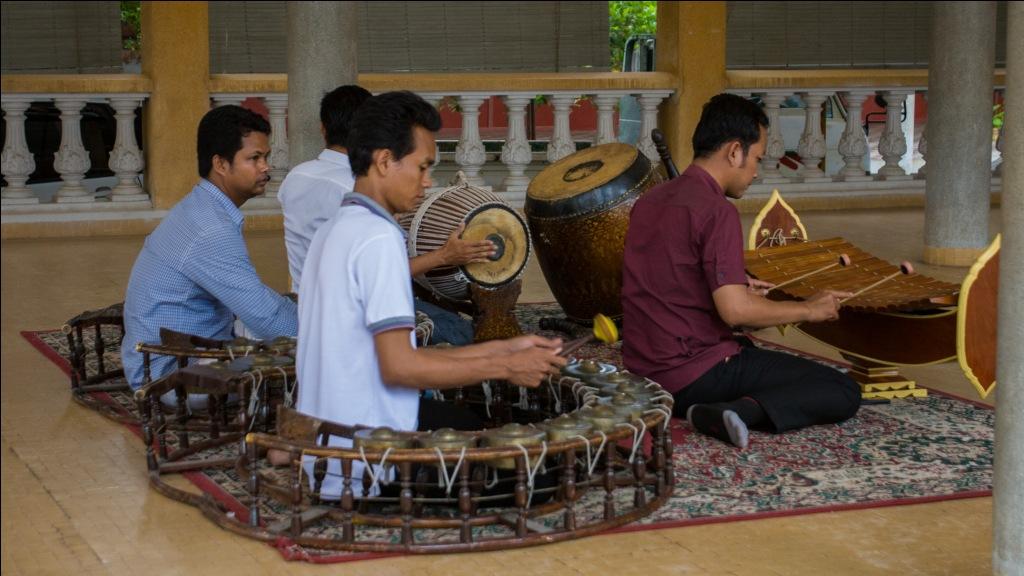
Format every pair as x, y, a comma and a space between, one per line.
470, 156
853, 163
71, 160
837, 156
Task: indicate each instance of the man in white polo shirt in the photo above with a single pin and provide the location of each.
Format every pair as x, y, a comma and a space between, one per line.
312, 192
357, 359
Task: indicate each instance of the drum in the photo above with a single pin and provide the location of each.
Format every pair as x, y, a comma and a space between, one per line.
578, 211
486, 216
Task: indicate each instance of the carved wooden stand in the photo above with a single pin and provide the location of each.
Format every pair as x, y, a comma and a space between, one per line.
492, 314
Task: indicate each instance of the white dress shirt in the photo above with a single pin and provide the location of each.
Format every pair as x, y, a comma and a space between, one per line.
310, 195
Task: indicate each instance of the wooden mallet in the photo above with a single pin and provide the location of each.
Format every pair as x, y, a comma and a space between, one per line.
604, 331
843, 261
906, 268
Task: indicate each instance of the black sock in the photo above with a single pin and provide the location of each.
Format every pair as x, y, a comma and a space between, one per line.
748, 409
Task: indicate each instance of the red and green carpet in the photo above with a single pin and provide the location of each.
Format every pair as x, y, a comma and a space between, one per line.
906, 452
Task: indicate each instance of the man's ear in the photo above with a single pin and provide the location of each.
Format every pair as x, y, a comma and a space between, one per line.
220, 164
382, 159
734, 153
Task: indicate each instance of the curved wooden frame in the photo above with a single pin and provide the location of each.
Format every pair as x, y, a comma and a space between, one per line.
648, 477
970, 306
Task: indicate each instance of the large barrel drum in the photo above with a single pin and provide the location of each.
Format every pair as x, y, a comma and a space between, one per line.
487, 217
578, 212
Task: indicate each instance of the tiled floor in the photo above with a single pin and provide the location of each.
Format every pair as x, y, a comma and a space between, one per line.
75, 498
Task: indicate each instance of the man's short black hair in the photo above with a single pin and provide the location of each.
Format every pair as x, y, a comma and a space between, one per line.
386, 122
337, 109
221, 131
727, 117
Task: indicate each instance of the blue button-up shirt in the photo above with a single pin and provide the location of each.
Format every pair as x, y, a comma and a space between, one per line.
194, 275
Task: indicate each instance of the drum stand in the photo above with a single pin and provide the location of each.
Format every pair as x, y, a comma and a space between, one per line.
492, 314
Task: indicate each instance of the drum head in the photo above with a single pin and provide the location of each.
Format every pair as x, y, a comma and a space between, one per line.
581, 172
503, 226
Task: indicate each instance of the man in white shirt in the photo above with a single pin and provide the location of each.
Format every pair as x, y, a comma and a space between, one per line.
357, 359
312, 192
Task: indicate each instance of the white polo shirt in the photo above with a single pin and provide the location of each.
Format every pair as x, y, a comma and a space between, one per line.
355, 284
310, 195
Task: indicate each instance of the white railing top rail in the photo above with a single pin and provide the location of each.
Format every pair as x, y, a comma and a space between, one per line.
822, 80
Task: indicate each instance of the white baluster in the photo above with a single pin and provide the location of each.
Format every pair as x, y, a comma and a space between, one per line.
812, 142
649, 105
893, 144
515, 152
469, 153
126, 159
561, 144
775, 147
277, 108
72, 160
922, 147
225, 99
16, 161
606, 117
853, 144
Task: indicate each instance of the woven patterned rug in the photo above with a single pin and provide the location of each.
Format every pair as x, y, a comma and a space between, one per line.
907, 452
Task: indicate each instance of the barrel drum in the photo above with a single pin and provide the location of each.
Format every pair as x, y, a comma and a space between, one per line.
578, 212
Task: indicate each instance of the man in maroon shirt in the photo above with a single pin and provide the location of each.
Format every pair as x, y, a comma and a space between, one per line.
684, 289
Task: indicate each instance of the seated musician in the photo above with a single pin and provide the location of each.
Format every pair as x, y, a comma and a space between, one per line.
312, 193
357, 361
685, 290
193, 274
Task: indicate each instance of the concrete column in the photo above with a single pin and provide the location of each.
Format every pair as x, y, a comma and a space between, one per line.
691, 45
1008, 504
176, 56
322, 55
959, 132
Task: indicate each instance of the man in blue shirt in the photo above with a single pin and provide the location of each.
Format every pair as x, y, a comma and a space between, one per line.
193, 274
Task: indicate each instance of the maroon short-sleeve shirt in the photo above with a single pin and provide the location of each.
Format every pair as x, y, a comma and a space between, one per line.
684, 242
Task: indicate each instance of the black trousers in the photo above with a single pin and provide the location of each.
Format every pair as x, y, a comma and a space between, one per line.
435, 414
794, 392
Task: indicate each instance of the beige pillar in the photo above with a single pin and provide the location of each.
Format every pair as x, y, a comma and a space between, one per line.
691, 45
957, 188
1008, 501
322, 55
176, 57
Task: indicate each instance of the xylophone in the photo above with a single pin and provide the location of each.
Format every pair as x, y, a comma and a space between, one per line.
896, 317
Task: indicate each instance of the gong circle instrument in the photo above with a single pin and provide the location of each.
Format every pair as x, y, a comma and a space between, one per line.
486, 217
582, 458
578, 211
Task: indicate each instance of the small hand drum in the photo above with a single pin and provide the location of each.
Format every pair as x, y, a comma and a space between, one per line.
487, 217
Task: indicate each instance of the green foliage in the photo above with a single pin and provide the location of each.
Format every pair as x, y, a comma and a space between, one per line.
626, 19
998, 115
131, 25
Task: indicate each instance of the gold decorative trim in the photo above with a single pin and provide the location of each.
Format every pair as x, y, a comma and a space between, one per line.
961, 319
